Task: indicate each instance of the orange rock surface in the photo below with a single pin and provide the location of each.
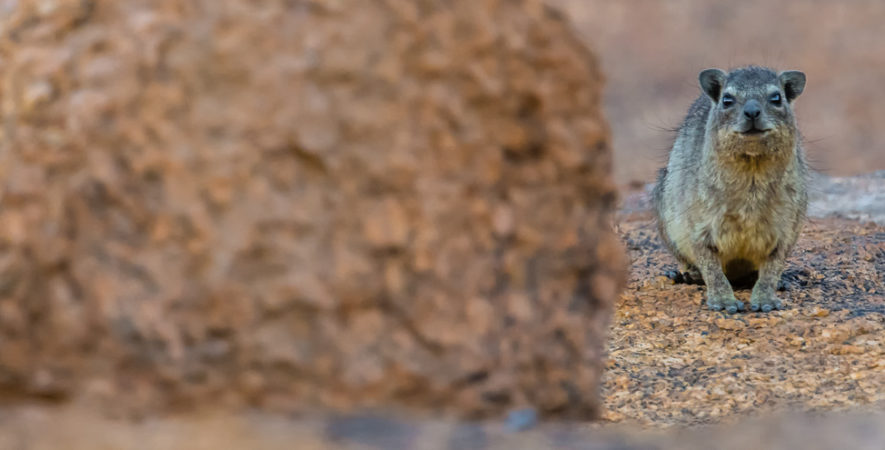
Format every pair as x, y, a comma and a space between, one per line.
304, 204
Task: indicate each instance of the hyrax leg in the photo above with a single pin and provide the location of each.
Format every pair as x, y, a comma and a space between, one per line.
719, 292
763, 296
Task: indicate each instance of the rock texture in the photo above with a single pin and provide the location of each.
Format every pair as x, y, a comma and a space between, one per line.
303, 204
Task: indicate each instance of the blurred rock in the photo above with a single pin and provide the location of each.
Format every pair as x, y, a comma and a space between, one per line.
304, 204
75, 428
522, 419
859, 198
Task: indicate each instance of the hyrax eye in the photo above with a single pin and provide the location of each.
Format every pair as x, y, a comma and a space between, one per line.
727, 100
775, 98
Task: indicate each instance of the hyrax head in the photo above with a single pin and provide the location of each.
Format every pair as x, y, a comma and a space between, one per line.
752, 103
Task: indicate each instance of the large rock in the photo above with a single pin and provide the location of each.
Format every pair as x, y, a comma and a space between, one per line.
304, 204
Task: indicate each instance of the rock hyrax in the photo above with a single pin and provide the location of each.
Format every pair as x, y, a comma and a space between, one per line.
732, 199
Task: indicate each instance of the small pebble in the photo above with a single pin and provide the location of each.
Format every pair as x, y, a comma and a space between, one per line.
730, 324
820, 312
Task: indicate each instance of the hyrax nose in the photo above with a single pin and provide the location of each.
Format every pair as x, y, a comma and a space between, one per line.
752, 109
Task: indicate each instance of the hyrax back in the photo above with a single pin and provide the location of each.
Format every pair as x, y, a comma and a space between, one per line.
732, 199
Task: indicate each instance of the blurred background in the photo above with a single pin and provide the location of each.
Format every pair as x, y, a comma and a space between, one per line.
651, 53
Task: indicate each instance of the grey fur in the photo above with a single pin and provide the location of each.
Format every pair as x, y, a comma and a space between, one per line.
731, 202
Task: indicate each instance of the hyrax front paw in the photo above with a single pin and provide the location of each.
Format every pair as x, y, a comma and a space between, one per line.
726, 302
765, 303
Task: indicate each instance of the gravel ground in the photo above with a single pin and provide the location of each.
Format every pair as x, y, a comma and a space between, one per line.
674, 362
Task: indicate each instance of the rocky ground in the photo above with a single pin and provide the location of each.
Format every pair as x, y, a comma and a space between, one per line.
673, 362
810, 376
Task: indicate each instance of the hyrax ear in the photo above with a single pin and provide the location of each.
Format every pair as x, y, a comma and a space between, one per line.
712, 82
793, 83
